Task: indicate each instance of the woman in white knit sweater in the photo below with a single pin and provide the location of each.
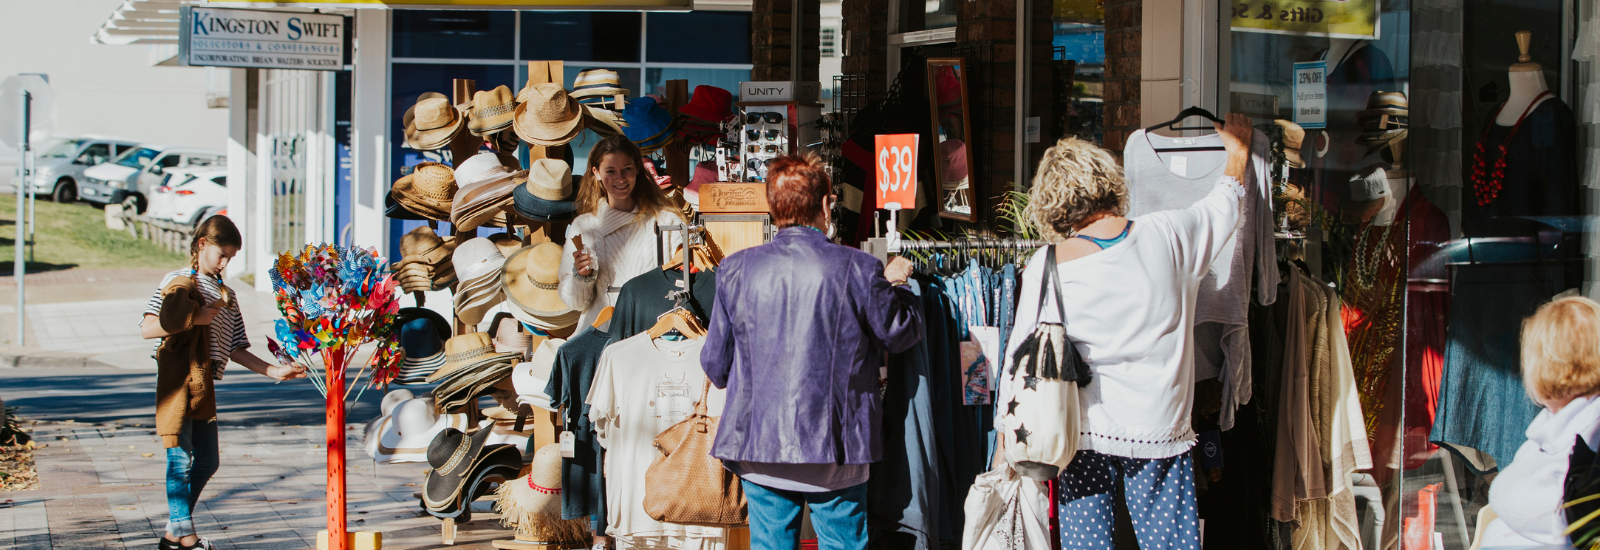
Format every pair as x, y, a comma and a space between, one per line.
618, 209
1129, 289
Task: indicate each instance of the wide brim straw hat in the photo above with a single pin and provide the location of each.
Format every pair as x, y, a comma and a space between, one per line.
392, 209
452, 454
546, 323
535, 208
532, 280
427, 190
467, 384
509, 337
491, 111
549, 179
548, 116
404, 434
476, 259
466, 351
597, 83
530, 378
532, 502
423, 245
431, 122
486, 180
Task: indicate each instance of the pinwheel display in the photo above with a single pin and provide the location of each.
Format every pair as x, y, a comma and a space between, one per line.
334, 299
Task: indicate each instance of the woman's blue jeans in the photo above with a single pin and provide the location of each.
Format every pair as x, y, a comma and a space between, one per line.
189, 466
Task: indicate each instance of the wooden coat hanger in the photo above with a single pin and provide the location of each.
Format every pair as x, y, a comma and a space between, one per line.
679, 319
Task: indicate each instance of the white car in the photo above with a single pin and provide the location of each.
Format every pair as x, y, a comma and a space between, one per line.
132, 175
190, 196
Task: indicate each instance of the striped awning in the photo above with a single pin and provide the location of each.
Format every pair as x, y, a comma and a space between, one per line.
141, 22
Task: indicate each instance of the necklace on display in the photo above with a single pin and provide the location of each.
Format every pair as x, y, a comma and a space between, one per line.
1367, 265
1487, 184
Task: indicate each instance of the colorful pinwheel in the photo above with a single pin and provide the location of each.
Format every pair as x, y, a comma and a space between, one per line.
335, 299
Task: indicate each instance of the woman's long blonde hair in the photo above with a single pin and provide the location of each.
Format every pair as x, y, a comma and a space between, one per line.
648, 200
1076, 180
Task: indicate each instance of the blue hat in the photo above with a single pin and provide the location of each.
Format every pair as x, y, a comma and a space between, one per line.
539, 209
422, 336
647, 123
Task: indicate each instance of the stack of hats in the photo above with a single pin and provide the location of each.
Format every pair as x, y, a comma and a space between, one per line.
432, 122
532, 378
422, 337
502, 422
1294, 137
485, 183
531, 280
548, 192
369, 436
550, 117
478, 265
425, 193
491, 111
598, 87
509, 337
704, 114
470, 371
462, 468
533, 503
425, 261
1385, 124
403, 435
648, 124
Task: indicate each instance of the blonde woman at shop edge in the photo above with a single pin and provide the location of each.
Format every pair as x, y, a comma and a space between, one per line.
618, 205
1129, 288
197, 320
1561, 372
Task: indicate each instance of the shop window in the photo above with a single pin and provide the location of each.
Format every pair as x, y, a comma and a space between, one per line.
727, 79
698, 37
578, 36
444, 34
923, 15
1077, 68
827, 43
629, 76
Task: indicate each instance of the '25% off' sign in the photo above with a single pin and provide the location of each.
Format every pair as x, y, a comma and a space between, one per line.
897, 170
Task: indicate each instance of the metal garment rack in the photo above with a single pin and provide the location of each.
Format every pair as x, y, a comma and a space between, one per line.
980, 242
683, 295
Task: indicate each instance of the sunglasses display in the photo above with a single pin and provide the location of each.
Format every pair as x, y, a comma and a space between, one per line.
756, 118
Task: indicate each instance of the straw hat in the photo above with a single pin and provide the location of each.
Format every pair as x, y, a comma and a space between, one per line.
486, 182
422, 245
509, 337
1294, 137
431, 122
548, 115
532, 279
491, 111
478, 265
464, 352
427, 190
597, 86
533, 502
547, 193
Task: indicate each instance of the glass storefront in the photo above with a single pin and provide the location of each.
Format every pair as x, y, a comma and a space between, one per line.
433, 47
1078, 68
1443, 195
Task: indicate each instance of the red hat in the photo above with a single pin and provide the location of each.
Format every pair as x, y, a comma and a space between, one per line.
709, 103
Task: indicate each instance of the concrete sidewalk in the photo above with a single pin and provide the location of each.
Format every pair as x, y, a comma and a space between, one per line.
101, 490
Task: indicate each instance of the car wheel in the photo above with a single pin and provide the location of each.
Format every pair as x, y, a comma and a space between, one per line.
66, 191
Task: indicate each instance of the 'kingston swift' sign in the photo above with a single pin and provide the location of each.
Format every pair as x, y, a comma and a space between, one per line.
221, 37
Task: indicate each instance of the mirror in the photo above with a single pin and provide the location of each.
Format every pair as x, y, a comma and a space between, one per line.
947, 91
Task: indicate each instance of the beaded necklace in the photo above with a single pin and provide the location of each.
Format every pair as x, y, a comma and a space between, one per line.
1487, 185
1367, 265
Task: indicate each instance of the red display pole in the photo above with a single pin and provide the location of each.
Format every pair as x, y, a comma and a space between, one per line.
334, 361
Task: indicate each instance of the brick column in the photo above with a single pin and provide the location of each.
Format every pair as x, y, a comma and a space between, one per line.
865, 35
1124, 48
771, 40
987, 30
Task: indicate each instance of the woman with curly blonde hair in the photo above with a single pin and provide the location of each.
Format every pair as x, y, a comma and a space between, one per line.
1129, 289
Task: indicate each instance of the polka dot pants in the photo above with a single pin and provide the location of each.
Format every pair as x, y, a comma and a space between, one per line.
1159, 494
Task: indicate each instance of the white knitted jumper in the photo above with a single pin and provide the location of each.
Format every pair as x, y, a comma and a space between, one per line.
623, 248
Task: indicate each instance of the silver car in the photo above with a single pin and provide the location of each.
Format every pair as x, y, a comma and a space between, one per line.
59, 167
131, 176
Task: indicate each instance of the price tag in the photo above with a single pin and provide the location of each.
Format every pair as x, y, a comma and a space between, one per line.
896, 156
569, 445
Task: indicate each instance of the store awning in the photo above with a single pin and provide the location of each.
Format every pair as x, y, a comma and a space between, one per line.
141, 22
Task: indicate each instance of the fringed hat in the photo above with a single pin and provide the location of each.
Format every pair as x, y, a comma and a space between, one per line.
532, 503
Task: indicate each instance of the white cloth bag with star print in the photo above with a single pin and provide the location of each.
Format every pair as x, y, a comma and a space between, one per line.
1006, 511
1041, 420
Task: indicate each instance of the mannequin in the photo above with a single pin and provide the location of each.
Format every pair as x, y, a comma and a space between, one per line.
1399, 185
1338, 49
1527, 82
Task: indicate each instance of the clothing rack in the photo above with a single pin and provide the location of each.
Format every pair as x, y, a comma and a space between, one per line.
980, 242
682, 296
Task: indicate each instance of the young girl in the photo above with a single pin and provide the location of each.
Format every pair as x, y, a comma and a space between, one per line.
197, 319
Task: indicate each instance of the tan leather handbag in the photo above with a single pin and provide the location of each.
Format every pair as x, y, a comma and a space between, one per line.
686, 485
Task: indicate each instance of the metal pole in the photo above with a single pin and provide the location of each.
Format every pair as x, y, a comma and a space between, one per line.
20, 268
32, 206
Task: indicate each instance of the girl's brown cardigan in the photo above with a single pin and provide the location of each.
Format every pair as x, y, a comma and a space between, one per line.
183, 377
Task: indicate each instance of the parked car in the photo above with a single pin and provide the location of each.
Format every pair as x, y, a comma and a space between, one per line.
189, 195
132, 175
59, 169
